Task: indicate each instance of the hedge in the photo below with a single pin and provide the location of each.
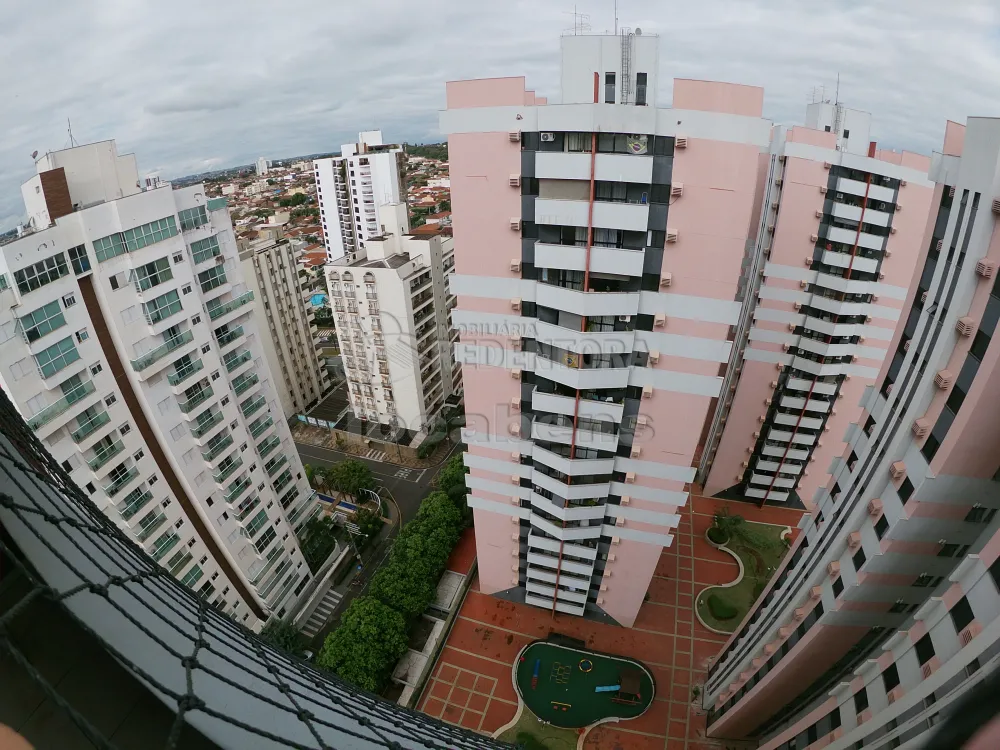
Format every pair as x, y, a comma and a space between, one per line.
720, 608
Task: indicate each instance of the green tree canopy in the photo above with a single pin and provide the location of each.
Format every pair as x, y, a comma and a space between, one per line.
281, 634
351, 476
293, 200
370, 640
368, 521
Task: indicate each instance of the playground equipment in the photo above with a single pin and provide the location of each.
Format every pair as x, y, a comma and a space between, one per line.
586, 665
607, 688
557, 706
534, 675
560, 673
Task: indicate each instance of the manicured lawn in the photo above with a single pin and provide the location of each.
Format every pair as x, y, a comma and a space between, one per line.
544, 735
564, 692
758, 567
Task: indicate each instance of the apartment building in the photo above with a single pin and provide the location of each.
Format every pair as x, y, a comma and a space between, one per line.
273, 273
886, 612
822, 296
129, 344
599, 251
392, 311
359, 194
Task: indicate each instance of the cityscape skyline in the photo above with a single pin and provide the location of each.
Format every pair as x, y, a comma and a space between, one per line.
187, 129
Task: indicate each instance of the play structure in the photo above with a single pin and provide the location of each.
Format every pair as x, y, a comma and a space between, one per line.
573, 687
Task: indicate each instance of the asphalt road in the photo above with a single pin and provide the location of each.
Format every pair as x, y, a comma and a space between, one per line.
408, 486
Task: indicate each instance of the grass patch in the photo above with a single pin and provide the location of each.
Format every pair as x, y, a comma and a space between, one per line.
759, 565
535, 735
720, 608
717, 535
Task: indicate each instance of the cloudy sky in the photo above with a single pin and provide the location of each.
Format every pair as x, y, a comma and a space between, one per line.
190, 86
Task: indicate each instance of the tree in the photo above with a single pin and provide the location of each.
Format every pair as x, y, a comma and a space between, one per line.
451, 481
444, 206
351, 476
293, 200
369, 522
370, 640
438, 510
318, 539
281, 634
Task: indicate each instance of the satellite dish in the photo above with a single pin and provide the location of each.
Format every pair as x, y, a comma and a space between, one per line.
34, 154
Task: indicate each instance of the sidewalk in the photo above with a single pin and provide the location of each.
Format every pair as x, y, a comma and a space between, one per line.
322, 438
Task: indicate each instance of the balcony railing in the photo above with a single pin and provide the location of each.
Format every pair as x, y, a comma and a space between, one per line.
199, 398
252, 406
243, 383
144, 619
229, 336
258, 427
223, 474
134, 503
176, 378
89, 428
233, 362
104, 455
180, 563
228, 307
281, 482
162, 350
268, 445
216, 450
203, 427
236, 489
247, 507
116, 486
275, 463
52, 411
157, 519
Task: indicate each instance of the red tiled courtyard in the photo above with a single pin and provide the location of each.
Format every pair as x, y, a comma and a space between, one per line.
471, 683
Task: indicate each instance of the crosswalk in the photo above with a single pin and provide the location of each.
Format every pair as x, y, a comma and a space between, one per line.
375, 455
321, 616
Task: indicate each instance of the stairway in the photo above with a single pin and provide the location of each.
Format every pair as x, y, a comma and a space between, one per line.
322, 614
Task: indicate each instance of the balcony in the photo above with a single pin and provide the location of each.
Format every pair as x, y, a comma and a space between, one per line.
590, 304
134, 502
174, 567
178, 377
164, 544
243, 383
585, 342
252, 406
275, 463
259, 426
89, 428
199, 398
162, 350
236, 489
52, 411
228, 307
235, 361
216, 450
149, 524
622, 261
204, 426
102, 457
223, 474
283, 481
246, 508
605, 411
229, 337
628, 216
116, 486
268, 445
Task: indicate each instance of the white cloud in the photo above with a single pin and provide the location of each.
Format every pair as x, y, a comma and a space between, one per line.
185, 84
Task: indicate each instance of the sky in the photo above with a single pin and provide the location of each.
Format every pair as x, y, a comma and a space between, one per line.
194, 86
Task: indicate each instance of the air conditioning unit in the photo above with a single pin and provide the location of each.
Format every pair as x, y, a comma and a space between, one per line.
965, 326
996, 206
515, 224
677, 190
833, 569
641, 421
616, 540
779, 182
814, 238
892, 230
808, 261
874, 507
906, 345
943, 379
515, 180
515, 404
666, 278
647, 391
548, 137
985, 268
854, 540
515, 265
515, 304
654, 356
770, 228
797, 305
635, 452
516, 456
659, 320
516, 373
630, 477
515, 429
827, 165
515, 479
514, 136
680, 142
822, 190
897, 469
899, 206
819, 214
671, 235
515, 343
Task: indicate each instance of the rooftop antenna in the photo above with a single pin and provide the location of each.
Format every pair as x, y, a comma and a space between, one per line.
616, 17
581, 22
69, 129
836, 99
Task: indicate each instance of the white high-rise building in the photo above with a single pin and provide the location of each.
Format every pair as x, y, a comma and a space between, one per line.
263, 165
392, 310
272, 270
128, 341
361, 194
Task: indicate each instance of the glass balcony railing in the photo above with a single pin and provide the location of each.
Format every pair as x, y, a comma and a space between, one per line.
250, 407
236, 489
89, 428
233, 362
183, 374
164, 544
268, 445
156, 520
199, 398
242, 384
116, 486
52, 411
104, 455
162, 350
214, 204
247, 507
258, 427
204, 426
276, 463
229, 336
272, 558
135, 502
223, 474
175, 566
281, 482
216, 450
228, 307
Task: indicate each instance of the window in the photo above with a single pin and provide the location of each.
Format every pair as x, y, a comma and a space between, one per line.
924, 649
192, 218
186, 289
925, 580
147, 234
979, 344
162, 307
890, 677
905, 489
640, 89
56, 357
869, 426
69, 300
82, 336
961, 614
44, 272
212, 278
861, 700
838, 587
859, 559
898, 606
178, 258
137, 456
39, 322
195, 320
109, 247
978, 514
110, 399
847, 133
609, 88
152, 274
579, 142
881, 526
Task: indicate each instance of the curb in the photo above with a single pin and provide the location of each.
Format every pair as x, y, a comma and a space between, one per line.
347, 455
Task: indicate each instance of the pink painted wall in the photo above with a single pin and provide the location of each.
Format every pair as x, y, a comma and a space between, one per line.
821, 138
906, 245
716, 96
630, 575
954, 138
484, 92
848, 411
676, 420
494, 551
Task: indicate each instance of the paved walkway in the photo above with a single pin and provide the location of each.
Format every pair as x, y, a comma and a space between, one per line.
471, 683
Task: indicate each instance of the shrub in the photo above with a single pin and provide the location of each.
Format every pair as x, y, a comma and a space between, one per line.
717, 535
282, 635
424, 450
720, 608
365, 647
528, 741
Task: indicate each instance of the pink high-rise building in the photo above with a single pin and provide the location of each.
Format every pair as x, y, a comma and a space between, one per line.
600, 245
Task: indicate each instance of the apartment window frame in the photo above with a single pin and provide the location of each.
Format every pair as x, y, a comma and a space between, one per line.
56, 357
42, 273
41, 321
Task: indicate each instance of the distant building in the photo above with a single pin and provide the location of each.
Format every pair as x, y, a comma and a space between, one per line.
229, 189
392, 310
361, 194
271, 268
263, 165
